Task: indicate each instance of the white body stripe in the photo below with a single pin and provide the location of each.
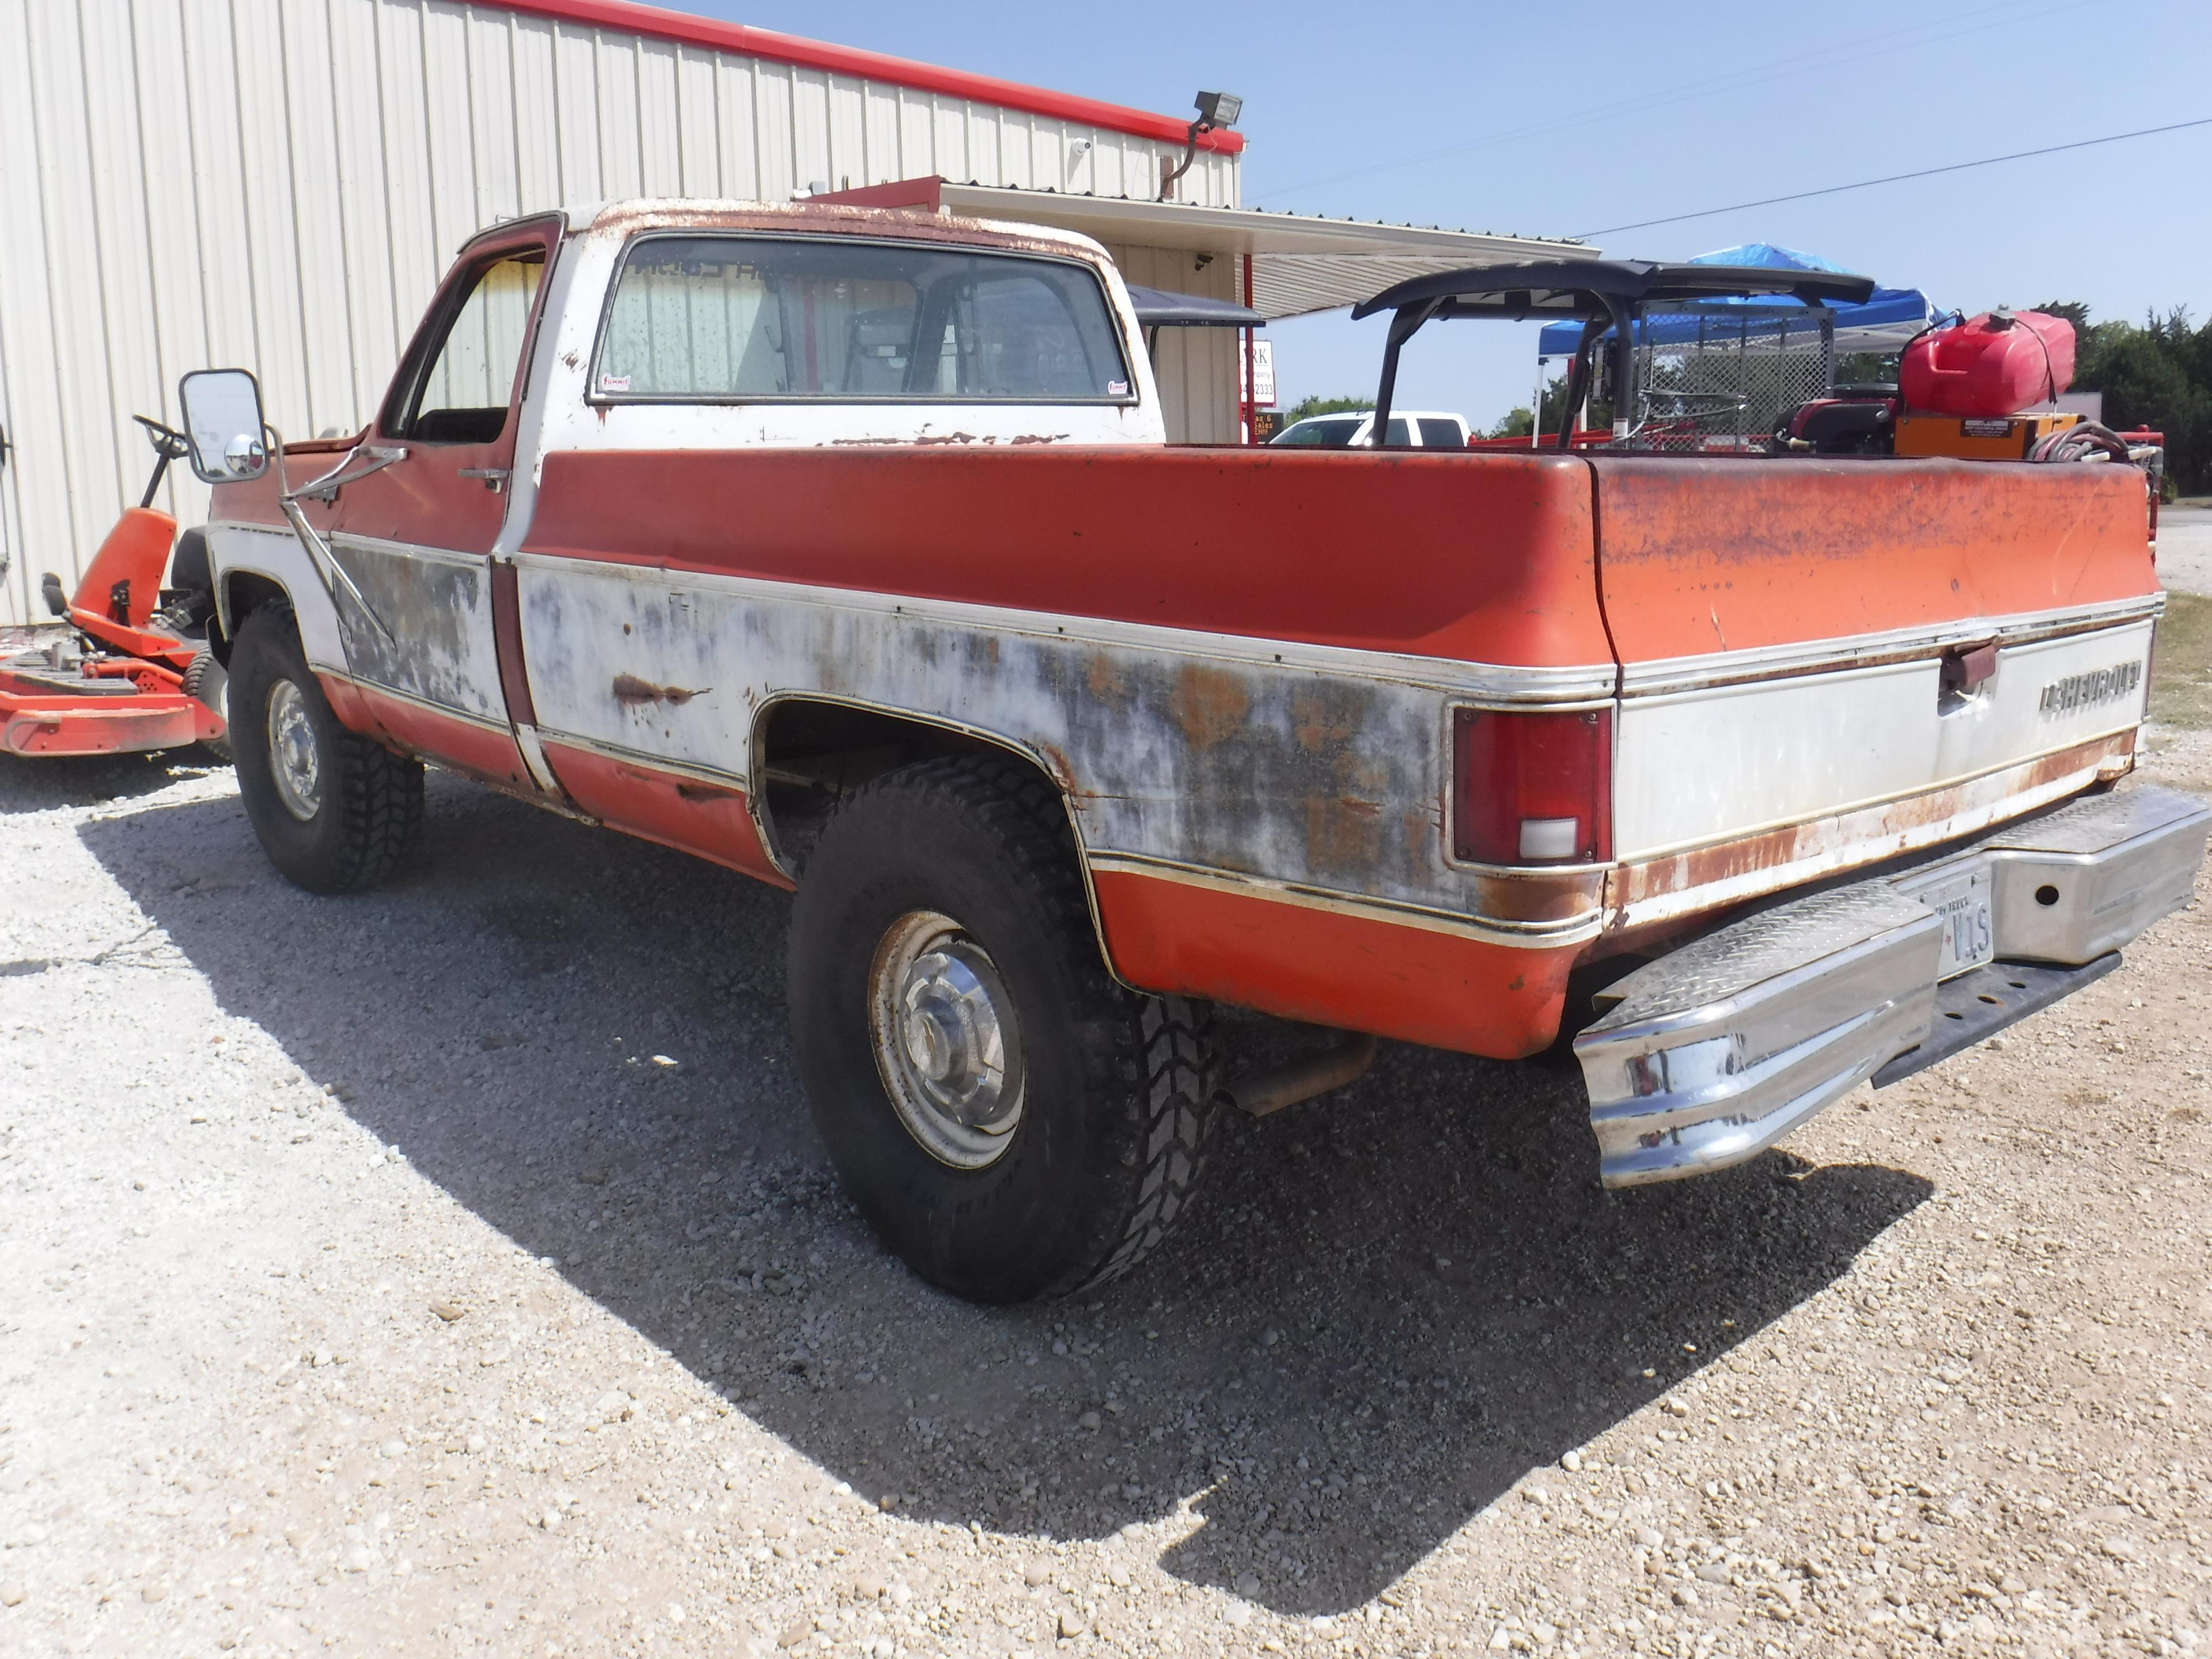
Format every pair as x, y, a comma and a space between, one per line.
1174, 746
1700, 766
275, 552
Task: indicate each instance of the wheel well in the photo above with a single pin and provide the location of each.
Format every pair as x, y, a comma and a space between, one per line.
809, 756
244, 593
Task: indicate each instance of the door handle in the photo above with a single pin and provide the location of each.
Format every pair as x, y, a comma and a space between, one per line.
495, 477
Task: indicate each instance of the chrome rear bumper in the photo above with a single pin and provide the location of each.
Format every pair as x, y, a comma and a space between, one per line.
1713, 1052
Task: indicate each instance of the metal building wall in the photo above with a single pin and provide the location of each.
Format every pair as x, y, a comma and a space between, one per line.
279, 184
1196, 368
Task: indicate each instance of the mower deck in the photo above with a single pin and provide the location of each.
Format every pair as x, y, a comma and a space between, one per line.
49, 711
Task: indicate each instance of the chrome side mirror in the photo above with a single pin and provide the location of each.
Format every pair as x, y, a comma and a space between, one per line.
222, 425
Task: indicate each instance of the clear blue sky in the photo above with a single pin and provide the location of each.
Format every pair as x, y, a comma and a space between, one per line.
1561, 120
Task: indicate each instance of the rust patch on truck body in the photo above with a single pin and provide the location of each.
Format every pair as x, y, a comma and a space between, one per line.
634, 692
1210, 704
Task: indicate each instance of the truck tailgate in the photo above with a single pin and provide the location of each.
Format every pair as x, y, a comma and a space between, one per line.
1825, 663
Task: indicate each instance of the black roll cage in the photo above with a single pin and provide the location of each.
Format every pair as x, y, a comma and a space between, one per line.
1609, 296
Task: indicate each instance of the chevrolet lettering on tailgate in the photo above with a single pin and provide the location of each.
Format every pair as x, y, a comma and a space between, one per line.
2098, 686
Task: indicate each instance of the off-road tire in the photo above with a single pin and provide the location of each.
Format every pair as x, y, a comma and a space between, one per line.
1110, 1145
207, 681
370, 809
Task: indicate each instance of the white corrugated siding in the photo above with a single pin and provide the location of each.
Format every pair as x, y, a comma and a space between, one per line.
1196, 368
280, 183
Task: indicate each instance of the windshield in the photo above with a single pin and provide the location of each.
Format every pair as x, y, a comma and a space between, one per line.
1323, 432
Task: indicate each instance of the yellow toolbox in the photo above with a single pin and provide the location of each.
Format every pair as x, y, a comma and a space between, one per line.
2008, 437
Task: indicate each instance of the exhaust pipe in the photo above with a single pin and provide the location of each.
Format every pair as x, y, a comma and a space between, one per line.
1274, 1087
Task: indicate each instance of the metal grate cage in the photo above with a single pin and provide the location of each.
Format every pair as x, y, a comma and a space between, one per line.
1714, 377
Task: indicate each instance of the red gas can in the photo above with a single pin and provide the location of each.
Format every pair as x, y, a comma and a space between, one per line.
1992, 365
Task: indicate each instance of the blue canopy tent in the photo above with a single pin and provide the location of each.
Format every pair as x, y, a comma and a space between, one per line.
1884, 323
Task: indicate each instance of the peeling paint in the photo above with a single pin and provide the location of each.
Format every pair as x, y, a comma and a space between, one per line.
1257, 768
438, 605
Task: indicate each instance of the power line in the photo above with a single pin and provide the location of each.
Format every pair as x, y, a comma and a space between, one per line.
1898, 178
1740, 79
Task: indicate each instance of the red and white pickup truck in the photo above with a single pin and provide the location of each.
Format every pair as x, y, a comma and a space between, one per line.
843, 547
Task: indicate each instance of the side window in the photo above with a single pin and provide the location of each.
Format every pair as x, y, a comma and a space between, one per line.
1441, 434
731, 318
1398, 435
463, 395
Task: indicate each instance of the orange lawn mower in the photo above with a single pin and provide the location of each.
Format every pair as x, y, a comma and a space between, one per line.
134, 673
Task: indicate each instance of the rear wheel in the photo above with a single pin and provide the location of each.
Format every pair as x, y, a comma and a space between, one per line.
1012, 1122
334, 811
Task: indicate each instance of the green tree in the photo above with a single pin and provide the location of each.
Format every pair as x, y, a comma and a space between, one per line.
1320, 405
1866, 368
1516, 421
2159, 375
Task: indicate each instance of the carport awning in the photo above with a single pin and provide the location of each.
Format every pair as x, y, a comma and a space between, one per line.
1299, 263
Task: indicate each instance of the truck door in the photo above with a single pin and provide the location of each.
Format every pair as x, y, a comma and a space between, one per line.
416, 533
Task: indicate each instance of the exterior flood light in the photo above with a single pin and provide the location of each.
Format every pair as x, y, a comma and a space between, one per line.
1219, 109
1215, 109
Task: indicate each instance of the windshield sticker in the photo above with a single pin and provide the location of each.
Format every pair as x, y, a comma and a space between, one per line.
614, 382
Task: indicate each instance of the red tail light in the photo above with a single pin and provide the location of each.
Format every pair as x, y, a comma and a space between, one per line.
1532, 788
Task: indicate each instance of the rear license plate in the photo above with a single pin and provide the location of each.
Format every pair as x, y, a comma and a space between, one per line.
1963, 901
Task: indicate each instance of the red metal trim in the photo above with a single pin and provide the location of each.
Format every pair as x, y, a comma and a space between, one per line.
873, 66
925, 194
507, 641
1250, 400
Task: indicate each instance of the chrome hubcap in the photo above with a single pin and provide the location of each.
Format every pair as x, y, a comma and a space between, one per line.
294, 760
946, 1043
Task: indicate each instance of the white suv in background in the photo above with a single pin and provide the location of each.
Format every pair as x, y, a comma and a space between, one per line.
1412, 429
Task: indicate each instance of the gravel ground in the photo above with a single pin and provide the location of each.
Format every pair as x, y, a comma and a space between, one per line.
2184, 548
454, 1269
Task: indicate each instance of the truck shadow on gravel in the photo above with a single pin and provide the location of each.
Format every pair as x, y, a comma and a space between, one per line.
1392, 1304
45, 785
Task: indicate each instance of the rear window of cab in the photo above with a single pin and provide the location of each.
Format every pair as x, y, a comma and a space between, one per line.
752, 319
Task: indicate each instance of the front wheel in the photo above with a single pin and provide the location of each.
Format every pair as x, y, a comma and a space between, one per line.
333, 810
1012, 1122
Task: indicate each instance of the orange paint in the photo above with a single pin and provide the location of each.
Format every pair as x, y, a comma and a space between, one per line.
1473, 558
137, 550
710, 820
462, 744
1358, 972
1697, 557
